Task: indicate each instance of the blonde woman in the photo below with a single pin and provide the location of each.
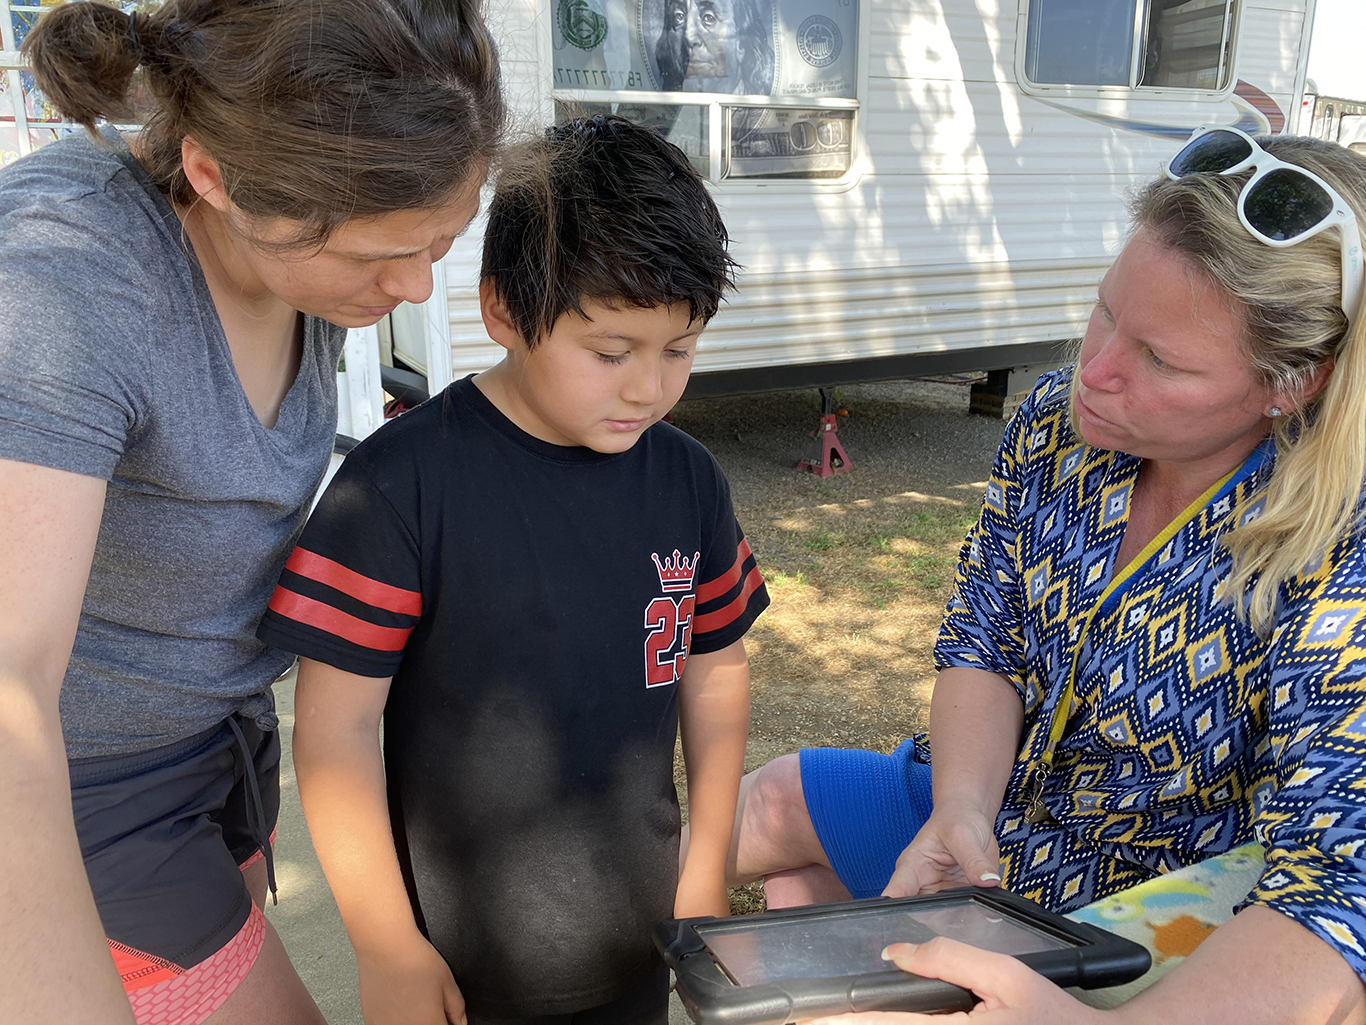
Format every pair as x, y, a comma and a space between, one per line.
1156, 650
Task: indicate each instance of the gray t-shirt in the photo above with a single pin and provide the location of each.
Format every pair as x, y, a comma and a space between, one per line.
113, 364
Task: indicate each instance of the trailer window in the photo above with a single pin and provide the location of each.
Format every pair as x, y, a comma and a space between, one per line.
1080, 42
1158, 44
747, 88
1188, 44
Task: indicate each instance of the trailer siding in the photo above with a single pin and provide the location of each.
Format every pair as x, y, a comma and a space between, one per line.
982, 216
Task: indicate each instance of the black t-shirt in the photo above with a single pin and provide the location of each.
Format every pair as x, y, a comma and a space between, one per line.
534, 605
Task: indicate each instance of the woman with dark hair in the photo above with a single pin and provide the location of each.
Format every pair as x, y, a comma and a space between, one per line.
1155, 650
172, 309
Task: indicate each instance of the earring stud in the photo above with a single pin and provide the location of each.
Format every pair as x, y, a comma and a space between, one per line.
1274, 412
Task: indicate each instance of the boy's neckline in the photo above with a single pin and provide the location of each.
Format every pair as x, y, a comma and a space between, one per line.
500, 422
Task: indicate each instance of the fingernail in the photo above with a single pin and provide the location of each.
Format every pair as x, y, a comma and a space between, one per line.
989, 877
887, 950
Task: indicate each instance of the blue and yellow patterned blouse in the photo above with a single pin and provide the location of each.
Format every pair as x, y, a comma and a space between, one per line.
1189, 734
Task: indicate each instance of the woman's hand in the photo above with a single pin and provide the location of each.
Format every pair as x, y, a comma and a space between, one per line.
1008, 992
955, 847
409, 984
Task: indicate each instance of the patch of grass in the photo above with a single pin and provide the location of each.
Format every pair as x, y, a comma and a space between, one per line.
825, 539
885, 562
748, 899
878, 594
939, 525
931, 571
778, 578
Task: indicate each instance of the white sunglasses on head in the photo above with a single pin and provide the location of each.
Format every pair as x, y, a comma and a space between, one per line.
1282, 204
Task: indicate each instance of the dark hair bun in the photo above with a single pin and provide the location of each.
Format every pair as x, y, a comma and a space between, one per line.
83, 56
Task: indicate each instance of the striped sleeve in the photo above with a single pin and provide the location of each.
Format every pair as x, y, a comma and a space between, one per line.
731, 594
350, 593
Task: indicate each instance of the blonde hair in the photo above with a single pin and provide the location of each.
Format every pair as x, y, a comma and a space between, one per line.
1289, 300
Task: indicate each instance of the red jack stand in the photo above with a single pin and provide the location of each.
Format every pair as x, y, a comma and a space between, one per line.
833, 459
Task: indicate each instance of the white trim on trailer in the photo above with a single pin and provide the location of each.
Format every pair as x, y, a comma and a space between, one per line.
1293, 110
364, 402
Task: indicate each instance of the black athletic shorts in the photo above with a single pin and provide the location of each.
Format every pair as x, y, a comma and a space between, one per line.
165, 834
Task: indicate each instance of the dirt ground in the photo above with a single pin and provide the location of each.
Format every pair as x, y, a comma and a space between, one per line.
858, 565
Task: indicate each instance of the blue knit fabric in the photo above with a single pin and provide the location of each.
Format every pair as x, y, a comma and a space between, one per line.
866, 807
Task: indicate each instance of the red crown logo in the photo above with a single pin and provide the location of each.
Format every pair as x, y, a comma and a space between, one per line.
676, 574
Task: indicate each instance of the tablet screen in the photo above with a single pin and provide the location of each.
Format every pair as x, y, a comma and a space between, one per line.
851, 942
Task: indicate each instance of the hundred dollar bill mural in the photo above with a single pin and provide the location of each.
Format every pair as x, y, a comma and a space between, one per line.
709, 46
783, 48
788, 49
782, 142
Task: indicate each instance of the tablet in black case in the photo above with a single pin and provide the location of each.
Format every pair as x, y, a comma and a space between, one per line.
800, 963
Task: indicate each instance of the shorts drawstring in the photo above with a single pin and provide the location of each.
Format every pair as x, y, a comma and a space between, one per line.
255, 810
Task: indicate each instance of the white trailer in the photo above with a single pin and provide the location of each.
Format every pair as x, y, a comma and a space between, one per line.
911, 186
922, 185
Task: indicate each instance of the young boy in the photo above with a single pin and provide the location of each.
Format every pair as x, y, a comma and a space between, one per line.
515, 574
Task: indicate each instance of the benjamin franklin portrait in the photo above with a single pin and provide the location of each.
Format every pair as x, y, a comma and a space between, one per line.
713, 46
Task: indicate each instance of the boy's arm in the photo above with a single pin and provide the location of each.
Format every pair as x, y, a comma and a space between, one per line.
341, 783
713, 713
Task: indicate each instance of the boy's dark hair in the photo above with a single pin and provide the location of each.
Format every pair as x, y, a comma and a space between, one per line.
315, 110
601, 208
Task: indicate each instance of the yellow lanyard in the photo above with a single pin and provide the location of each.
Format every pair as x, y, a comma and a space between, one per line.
1035, 811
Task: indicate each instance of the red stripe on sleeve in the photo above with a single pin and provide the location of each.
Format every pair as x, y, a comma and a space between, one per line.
348, 581
338, 623
723, 617
713, 589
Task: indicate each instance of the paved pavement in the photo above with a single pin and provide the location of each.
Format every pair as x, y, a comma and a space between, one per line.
306, 916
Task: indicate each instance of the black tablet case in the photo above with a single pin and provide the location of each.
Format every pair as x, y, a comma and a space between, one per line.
1087, 957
